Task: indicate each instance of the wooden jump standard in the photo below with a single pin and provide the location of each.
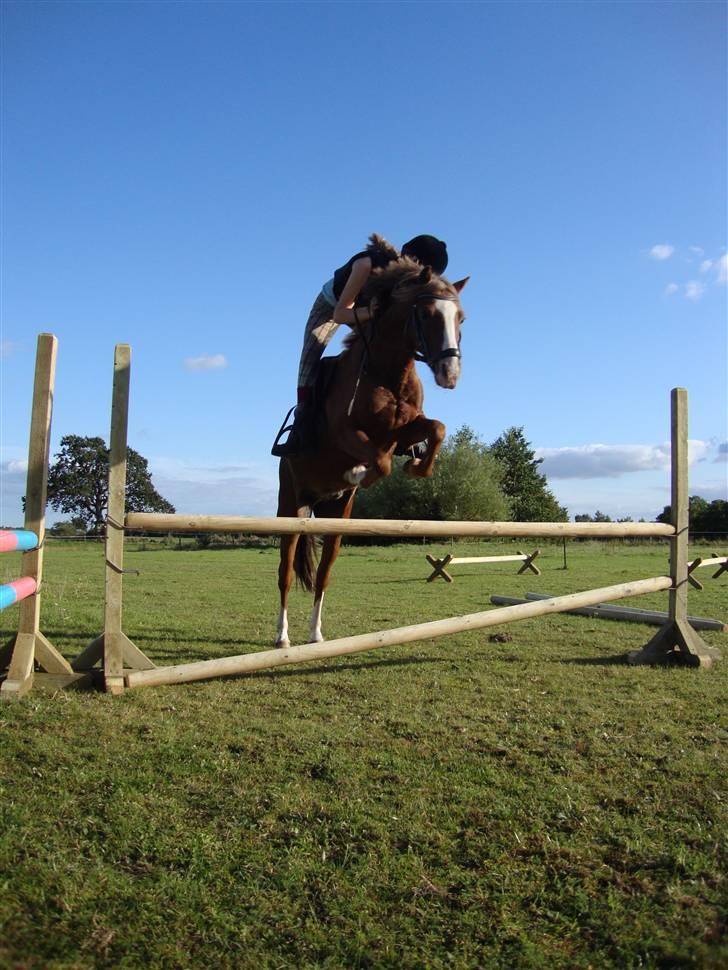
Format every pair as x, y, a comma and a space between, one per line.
119, 654
439, 565
30, 648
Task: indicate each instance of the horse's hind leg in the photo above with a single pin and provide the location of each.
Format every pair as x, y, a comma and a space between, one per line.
339, 508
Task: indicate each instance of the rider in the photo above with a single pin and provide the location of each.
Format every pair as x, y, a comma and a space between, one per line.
337, 303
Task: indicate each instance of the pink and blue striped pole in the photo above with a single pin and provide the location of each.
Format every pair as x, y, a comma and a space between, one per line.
19, 589
20, 539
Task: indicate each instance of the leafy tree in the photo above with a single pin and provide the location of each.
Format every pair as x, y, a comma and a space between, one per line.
703, 516
395, 497
524, 486
465, 485
78, 482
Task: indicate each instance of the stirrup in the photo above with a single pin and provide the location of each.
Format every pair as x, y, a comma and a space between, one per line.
278, 449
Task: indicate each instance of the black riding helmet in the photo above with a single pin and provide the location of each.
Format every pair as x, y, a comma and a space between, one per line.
428, 251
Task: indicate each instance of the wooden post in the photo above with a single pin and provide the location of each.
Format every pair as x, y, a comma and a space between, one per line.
30, 644
113, 644
676, 640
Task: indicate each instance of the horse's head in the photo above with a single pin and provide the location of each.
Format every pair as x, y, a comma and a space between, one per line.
426, 309
435, 320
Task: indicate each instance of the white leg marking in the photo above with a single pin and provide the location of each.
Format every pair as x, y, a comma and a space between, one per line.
355, 475
316, 634
282, 635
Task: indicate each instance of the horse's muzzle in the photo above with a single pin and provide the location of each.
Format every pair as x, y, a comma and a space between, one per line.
447, 372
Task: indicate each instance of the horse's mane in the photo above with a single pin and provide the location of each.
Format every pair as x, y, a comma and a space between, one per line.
403, 281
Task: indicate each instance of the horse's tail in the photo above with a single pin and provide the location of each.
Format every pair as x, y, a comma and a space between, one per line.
304, 562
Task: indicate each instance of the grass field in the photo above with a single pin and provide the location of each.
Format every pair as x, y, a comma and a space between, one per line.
452, 803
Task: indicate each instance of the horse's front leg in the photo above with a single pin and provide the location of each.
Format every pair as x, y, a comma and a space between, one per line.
339, 508
357, 444
418, 430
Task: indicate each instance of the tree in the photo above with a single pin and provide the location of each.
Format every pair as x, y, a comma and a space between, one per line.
703, 516
524, 486
465, 485
78, 482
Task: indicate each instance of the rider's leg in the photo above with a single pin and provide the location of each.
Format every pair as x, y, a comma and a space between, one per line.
320, 328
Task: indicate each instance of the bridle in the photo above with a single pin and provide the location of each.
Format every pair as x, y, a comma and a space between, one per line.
414, 320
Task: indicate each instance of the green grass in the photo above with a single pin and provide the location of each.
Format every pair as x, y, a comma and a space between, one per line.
450, 803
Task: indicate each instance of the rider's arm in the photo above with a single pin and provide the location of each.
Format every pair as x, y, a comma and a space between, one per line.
344, 309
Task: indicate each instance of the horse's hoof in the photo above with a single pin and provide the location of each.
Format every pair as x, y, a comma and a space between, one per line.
411, 467
283, 644
355, 475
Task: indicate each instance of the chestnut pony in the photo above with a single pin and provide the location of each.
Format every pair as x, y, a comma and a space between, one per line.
368, 403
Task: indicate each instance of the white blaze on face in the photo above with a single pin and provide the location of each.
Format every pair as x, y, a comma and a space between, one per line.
448, 369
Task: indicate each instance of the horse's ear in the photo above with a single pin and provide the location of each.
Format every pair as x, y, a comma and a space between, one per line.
426, 275
460, 284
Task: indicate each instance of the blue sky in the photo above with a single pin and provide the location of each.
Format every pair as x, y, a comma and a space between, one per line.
184, 177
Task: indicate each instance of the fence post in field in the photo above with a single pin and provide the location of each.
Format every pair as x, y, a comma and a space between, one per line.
677, 640
30, 646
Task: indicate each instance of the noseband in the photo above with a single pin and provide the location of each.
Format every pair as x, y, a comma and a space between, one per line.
415, 322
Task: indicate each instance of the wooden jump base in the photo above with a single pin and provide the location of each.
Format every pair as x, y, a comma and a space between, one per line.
124, 665
439, 565
627, 614
30, 647
262, 660
720, 561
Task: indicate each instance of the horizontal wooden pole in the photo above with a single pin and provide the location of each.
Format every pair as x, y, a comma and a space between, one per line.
717, 561
262, 660
157, 522
625, 613
480, 559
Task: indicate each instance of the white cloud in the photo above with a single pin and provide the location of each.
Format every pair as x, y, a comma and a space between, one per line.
694, 290
210, 362
611, 461
697, 250
705, 265
671, 289
722, 265
7, 348
245, 489
662, 251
